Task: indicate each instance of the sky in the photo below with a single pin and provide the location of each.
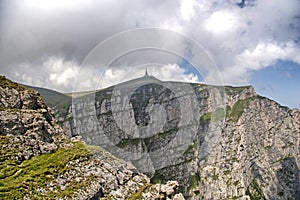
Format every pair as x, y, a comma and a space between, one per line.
47, 43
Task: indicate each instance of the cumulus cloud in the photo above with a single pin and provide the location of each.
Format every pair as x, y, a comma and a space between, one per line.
44, 43
241, 40
60, 74
263, 55
223, 21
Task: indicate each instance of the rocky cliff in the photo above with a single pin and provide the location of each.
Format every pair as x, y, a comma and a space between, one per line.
38, 161
217, 142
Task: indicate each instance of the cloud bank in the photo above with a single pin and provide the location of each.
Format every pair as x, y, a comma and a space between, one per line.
44, 43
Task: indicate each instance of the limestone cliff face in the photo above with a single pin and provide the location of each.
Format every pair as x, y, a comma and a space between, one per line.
217, 142
256, 155
38, 161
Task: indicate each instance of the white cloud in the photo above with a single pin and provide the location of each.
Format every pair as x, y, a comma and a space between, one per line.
54, 72
61, 73
173, 72
243, 40
221, 22
263, 55
187, 9
48, 5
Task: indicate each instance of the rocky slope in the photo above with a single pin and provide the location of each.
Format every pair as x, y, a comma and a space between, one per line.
217, 142
38, 161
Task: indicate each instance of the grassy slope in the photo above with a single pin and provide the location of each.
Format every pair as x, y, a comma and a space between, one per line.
26, 177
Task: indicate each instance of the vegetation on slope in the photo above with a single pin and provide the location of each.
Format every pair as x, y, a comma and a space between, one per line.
218, 114
31, 176
194, 181
230, 90
254, 191
238, 109
4, 82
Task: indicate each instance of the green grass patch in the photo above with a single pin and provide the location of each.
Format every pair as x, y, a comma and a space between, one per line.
25, 178
194, 181
254, 191
158, 178
228, 110
215, 176
167, 134
129, 141
236, 183
229, 90
206, 117
238, 109
227, 172
218, 114
232, 159
138, 194
190, 150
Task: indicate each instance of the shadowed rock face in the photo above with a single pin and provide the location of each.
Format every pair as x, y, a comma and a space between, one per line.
143, 97
161, 96
288, 179
246, 149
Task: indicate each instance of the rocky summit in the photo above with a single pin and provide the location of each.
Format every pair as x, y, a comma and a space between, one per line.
39, 161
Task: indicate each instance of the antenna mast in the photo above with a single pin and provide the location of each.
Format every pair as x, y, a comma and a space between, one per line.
146, 72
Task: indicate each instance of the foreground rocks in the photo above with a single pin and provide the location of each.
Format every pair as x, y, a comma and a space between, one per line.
28, 124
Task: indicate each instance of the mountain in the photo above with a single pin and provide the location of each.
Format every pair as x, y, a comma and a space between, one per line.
217, 142
39, 161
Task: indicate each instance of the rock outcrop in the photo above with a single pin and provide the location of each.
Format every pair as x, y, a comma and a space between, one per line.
38, 161
26, 121
217, 142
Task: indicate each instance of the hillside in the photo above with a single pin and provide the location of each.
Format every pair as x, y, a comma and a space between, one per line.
56, 100
51, 97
